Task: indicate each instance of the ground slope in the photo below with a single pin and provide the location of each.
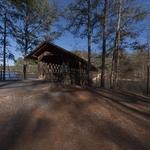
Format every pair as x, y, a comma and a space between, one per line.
34, 116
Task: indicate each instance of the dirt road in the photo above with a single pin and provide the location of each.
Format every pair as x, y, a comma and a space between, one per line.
34, 116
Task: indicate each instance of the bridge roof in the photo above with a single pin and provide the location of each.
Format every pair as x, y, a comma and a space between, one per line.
52, 53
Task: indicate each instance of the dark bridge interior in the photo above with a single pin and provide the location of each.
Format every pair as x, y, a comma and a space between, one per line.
59, 65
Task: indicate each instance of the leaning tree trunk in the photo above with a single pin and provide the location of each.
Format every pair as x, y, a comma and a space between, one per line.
104, 44
115, 59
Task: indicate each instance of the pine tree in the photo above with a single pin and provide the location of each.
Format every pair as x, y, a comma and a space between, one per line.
35, 19
127, 14
6, 26
81, 21
104, 38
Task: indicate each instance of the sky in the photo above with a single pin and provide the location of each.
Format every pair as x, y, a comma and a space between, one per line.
69, 42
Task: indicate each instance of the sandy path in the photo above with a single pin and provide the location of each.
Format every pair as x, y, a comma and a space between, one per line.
35, 117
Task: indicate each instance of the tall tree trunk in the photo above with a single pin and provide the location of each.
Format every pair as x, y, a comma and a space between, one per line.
26, 45
4, 44
148, 80
25, 63
104, 44
115, 59
112, 70
148, 70
89, 42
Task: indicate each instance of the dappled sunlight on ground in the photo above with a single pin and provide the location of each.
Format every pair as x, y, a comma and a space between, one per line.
33, 116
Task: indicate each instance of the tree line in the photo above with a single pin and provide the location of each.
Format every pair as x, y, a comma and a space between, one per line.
110, 24
25, 22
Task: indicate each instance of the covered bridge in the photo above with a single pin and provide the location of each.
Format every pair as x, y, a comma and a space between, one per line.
59, 65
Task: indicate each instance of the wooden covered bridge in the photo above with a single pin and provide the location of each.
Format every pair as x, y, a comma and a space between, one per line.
59, 65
